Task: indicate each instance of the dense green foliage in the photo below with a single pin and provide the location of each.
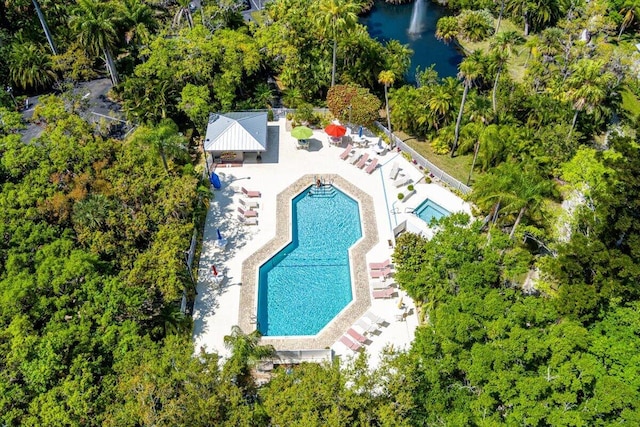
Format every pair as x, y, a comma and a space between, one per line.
530, 315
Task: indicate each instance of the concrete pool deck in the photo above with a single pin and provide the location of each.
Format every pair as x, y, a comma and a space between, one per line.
218, 307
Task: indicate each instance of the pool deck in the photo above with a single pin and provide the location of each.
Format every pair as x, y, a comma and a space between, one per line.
282, 171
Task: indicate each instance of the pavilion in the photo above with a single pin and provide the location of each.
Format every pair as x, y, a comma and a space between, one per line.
232, 136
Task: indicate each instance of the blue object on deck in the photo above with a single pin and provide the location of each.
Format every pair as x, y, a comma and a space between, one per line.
219, 234
215, 181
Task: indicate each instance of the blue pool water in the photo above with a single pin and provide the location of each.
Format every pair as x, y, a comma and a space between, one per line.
305, 285
429, 210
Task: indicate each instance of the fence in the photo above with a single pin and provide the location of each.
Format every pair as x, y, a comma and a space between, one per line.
420, 160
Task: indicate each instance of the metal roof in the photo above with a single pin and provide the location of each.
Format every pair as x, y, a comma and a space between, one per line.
237, 131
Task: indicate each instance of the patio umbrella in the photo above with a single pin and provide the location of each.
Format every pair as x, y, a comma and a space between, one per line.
301, 132
360, 132
219, 234
335, 130
214, 271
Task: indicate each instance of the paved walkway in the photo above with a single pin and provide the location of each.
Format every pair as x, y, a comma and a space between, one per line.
217, 305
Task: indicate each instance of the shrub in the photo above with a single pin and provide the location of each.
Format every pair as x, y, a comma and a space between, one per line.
400, 196
304, 113
410, 187
270, 116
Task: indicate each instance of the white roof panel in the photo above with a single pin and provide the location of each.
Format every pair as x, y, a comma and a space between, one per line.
237, 131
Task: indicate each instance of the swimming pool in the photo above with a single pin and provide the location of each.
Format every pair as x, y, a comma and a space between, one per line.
307, 283
429, 210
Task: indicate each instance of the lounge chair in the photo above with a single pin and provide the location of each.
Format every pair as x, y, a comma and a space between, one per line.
249, 204
367, 327
352, 345
383, 293
378, 274
346, 152
356, 335
400, 181
377, 284
247, 214
395, 169
247, 221
374, 318
355, 158
250, 193
380, 265
362, 161
372, 166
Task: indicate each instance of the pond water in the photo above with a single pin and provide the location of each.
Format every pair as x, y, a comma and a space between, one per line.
386, 22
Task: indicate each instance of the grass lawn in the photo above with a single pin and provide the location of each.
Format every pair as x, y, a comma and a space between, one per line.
458, 167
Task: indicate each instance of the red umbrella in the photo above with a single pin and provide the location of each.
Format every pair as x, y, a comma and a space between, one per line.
335, 130
214, 271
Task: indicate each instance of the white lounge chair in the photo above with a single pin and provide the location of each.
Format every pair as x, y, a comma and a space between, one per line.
247, 214
374, 318
400, 181
395, 169
366, 327
247, 221
249, 204
356, 157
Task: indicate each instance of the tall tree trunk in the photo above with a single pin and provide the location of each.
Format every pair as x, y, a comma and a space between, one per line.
525, 15
333, 68
111, 66
622, 28
45, 28
495, 89
573, 123
386, 99
459, 120
473, 163
164, 160
500, 16
515, 225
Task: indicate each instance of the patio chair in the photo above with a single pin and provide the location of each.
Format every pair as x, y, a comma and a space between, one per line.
367, 327
372, 166
380, 274
346, 152
250, 193
383, 293
374, 318
380, 265
395, 169
350, 344
400, 181
378, 284
357, 336
247, 221
355, 158
362, 161
247, 214
249, 204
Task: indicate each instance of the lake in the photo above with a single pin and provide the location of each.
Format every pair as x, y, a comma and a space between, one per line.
386, 22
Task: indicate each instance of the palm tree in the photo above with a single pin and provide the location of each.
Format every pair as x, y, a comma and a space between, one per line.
471, 68
139, 22
166, 139
588, 86
183, 11
502, 45
245, 353
629, 11
95, 24
447, 29
30, 66
387, 78
334, 17
440, 104
45, 27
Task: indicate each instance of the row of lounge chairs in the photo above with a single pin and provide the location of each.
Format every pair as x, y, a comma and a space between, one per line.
247, 212
359, 159
369, 323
